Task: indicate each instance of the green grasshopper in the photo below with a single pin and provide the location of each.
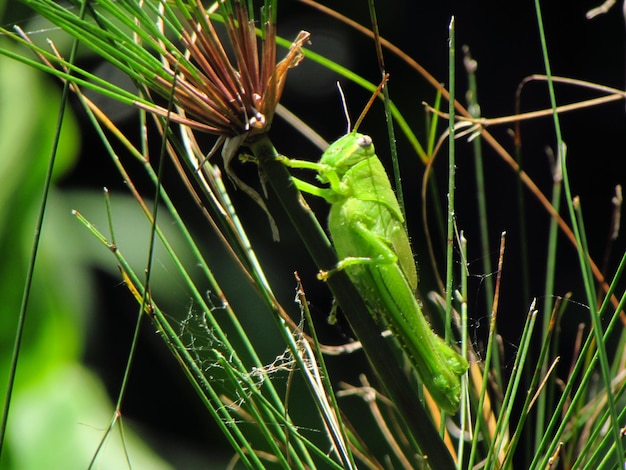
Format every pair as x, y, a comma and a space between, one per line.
367, 229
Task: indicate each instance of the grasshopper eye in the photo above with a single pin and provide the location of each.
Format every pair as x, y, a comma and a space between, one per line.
364, 141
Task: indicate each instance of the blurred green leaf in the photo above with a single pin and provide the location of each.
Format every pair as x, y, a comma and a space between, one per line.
58, 407
27, 125
63, 419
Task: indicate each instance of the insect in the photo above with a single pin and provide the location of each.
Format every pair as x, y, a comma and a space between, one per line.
367, 229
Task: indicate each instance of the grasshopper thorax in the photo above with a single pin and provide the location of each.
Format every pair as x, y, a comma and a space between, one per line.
348, 151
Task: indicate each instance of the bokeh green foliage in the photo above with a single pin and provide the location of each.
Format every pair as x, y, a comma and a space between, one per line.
58, 406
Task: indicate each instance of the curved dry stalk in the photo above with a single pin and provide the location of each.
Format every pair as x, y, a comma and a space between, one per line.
485, 122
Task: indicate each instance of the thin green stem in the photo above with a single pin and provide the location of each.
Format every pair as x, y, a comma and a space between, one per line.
451, 190
474, 108
144, 301
511, 391
388, 116
344, 453
538, 374
561, 416
463, 414
545, 401
451, 183
599, 445
583, 254
491, 345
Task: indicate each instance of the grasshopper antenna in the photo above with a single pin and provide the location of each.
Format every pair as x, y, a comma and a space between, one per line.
370, 102
345, 106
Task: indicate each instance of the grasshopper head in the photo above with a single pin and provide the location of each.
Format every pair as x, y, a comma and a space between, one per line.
348, 151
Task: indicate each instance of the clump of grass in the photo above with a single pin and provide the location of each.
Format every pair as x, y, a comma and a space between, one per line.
189, 84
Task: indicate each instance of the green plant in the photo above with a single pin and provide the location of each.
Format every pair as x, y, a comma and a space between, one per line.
188, 84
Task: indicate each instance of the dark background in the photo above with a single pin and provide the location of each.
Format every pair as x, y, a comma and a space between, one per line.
504, 39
